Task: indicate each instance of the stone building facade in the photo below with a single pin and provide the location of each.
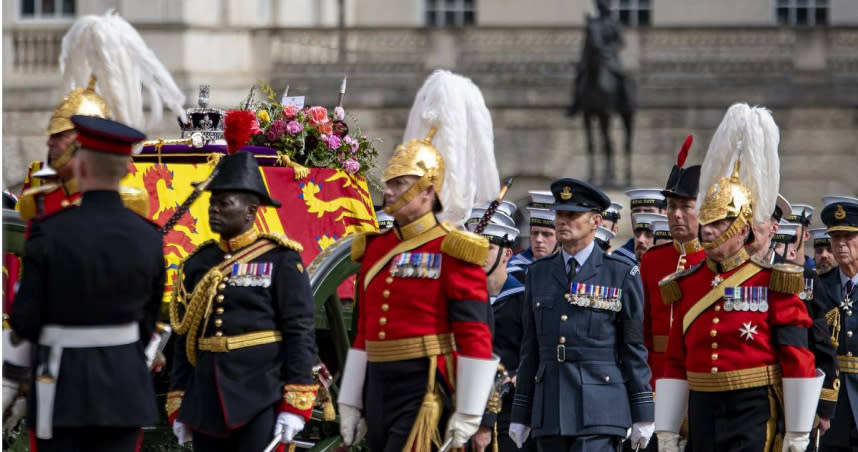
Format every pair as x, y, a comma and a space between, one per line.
689, 59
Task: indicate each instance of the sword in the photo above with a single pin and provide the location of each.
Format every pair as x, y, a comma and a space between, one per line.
447, 445
276, 440
199, 187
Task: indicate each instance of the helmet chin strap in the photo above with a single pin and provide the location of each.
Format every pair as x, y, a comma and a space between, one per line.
497, 261
736, 226
422, 184
65, 157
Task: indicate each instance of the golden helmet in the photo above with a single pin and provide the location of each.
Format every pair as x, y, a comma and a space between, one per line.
81, 101
417, 158
727, 198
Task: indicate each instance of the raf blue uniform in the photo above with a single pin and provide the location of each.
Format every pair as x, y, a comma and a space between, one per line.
583, 371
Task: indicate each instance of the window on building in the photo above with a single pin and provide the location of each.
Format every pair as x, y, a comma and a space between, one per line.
802, 12
632, 13
47, 9
450, 13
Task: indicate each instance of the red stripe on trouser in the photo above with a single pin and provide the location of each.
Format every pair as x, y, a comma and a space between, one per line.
139, 441
33, 443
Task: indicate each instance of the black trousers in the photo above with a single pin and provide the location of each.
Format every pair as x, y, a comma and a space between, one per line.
586, 443
393, 394
89, 439
744, 420
251, 437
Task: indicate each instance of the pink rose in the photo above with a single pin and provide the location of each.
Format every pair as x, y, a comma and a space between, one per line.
290, 110
334, 142
294, 127
339, 113
353, 144
351, 166
318, 115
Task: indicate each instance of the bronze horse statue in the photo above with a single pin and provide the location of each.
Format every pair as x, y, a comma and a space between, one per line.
601, 89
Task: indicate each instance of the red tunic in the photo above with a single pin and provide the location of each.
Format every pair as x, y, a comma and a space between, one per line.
395, 306
658, 262
720, 340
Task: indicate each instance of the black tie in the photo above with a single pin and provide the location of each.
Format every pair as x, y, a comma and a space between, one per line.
572, 264
849, 287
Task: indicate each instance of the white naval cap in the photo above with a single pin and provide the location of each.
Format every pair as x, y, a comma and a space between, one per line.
661, 229
820, 237
540, 217
499, 217
640, 197
786, 232
646, 220
499, 234
541, 199
800, 214
614, 212
385, 220
604, 234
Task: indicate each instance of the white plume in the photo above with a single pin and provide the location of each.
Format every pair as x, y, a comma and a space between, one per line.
750, 135
465, 138
108, 47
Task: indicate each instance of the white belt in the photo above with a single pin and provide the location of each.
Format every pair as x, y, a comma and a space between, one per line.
57, 338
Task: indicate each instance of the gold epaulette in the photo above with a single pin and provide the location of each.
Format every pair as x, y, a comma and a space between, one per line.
27, 202
787, 278
669, 285
830, 394
300, 397
174, 402
466, 246
359, 244
282, 240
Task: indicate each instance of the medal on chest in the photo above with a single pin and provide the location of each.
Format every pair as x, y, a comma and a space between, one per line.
807, 293
747, 298
256, 274
416, 265
596, 297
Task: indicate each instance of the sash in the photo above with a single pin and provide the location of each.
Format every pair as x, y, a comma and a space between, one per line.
407, 245
716, 293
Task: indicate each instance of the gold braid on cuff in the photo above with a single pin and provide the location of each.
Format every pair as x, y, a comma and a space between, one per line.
174, 401
302, 397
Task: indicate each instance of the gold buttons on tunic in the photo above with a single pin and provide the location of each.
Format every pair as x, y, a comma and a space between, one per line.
848, 334
381, 335
219, 311
218, 333
714, 370
227, 257
382, 321
716, 320
537, 304
218, 322
848, 353
385, 307
389, 280
717, 308
564, 318
221, 286
385, 293
65, 203
607, 378
713, 333
714, 356
562, 340
714, 346
219, 298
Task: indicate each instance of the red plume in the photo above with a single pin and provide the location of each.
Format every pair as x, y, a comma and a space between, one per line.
683, 152
238, 127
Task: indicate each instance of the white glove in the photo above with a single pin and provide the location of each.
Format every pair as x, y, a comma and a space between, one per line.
182, 432
796, 442
288, 425
14, 404
668, 442
518, 433
641, 433
352, 425
462, 427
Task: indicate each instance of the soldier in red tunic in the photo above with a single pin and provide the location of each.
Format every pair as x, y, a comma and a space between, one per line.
422, 330
683, 252
738, 354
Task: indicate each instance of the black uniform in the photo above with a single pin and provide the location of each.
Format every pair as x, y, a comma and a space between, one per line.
232, 393
506, 343
819, 338
843, 435
95, 265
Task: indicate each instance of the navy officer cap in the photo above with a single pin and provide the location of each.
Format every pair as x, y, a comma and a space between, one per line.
573, 195
105, 135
